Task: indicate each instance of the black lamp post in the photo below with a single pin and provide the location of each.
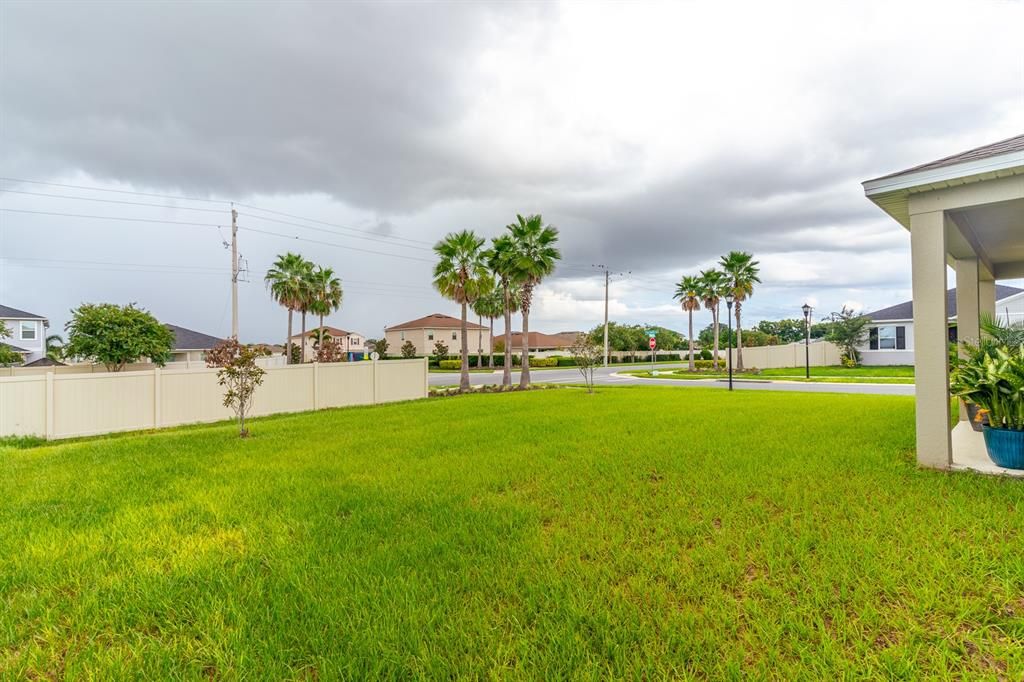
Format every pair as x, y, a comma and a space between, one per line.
728, 304
807, 337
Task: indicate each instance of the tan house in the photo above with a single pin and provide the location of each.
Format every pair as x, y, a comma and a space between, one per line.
964, 212
540, 342
352, 343
426, 331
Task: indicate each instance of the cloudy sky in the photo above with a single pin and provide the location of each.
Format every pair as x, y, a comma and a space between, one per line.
655, 136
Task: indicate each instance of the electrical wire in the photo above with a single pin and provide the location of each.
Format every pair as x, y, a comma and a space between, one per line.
114, 201
107, 217
334, 244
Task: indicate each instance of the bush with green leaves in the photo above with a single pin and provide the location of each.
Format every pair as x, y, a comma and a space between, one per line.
450, 364
408, 350
8, 356
992, 379
117, 335
239, 374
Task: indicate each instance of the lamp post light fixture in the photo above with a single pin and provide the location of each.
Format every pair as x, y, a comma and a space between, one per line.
807, 337
729, 299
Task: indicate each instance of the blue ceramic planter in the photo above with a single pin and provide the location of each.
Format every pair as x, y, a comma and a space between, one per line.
1005, 447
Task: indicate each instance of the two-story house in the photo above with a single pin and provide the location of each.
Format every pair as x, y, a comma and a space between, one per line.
28, 332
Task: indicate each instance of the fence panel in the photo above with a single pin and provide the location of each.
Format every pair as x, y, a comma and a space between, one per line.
23, 406
401, 380
90, 404
191, 396
64, 405
346, 383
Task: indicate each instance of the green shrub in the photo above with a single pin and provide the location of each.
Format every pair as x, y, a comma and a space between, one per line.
566, 362
543, 362
450, 364
705, 354
703, 364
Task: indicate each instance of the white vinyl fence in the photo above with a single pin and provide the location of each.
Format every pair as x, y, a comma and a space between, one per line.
822, 353
55, 405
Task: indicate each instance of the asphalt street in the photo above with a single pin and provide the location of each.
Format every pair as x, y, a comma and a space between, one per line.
608, 377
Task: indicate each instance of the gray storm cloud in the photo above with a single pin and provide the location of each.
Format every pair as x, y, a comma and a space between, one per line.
655, 136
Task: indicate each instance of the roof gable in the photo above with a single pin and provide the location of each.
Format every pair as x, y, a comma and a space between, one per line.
15, 314
188, 339
435, 321
1012, 144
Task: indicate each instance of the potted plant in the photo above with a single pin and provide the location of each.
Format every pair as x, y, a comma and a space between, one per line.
993, 380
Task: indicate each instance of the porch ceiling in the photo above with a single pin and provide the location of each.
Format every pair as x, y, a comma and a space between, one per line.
995, 230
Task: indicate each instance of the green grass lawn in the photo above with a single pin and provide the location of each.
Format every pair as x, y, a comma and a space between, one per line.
634, 533
838, 371
685, 375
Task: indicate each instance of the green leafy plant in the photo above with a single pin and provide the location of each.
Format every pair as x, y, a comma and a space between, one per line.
587, 356
8, 356
408, 350
239, 374
117, 335
847, 331
992, 379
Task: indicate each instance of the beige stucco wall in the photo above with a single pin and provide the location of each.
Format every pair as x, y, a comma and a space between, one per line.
425, 345
67, 405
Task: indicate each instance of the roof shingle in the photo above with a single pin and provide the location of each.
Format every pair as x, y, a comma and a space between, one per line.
14, 313
188, 339
905, 310
1012, 144
435, 321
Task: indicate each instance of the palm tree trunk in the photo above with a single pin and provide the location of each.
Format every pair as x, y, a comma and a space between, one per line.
691, 340
288, 340
739, 340
506, 378
490, 350
714, 320
480, 342
464, 379
302, 348
524, 371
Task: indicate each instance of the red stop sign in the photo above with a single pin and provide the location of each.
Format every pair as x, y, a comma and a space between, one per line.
653, 343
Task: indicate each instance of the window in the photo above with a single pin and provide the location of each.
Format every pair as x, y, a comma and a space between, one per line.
28, 331
430, 336
454, 336
403, 336
887, 338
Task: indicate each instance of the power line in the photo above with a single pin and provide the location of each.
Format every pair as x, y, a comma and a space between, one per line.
334, 244
323, 222
320, 229
119, 264
107, 217
112, 201
117, 191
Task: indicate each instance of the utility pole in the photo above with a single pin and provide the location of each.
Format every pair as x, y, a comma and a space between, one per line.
234, 273
606, 279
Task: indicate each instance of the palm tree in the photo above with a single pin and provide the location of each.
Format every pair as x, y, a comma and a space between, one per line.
500, 262
490, 305
688, 292
533, 258
55, 347
461, 275
742, 273
286, 279
326, 295
713, 287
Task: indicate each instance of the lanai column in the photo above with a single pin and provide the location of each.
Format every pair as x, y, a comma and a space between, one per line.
931, 355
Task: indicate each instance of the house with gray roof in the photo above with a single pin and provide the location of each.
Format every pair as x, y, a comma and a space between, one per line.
890, 339
28, 332
190, 345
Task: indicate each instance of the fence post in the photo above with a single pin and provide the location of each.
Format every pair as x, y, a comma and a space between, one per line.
49, 405
375, 390
426, 378
158, 420
316, 385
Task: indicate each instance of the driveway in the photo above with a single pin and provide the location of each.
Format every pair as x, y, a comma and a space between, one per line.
607, 377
